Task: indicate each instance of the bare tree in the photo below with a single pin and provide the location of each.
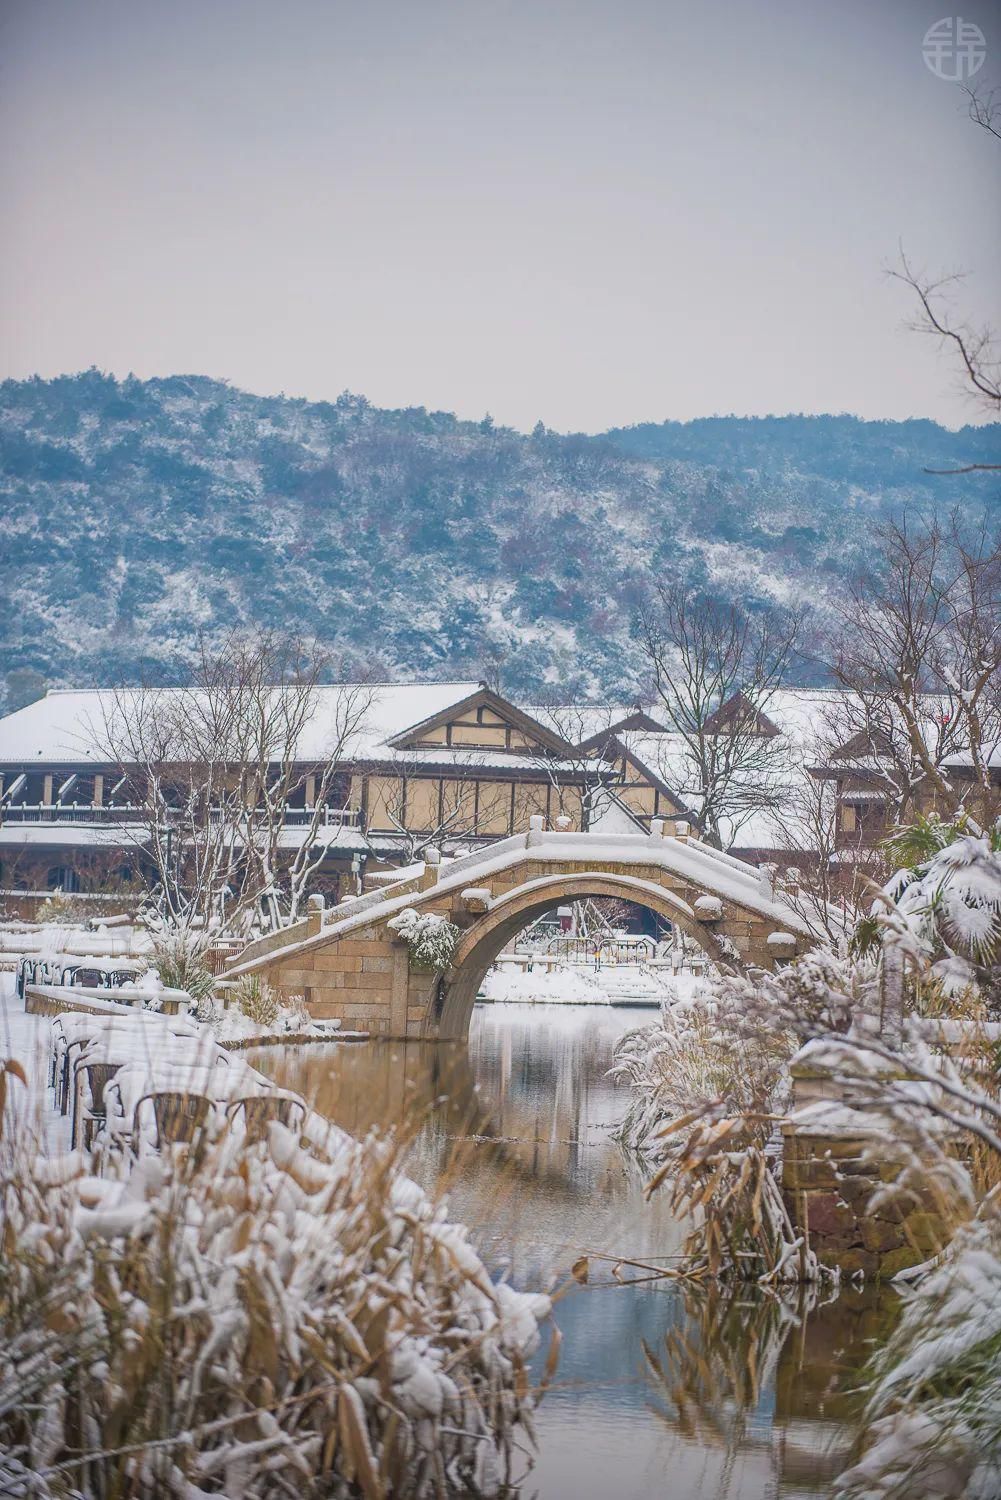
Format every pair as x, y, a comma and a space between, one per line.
920, 658
705, 657
828, 878
581, 778
985, 109
448, 809
213, 767
975, 349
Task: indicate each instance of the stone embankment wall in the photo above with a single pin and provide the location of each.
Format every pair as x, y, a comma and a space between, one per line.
829, 1182
838, 1167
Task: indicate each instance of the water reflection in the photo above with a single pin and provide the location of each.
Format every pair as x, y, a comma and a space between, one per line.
663, 1388
668, 1390
517, 1124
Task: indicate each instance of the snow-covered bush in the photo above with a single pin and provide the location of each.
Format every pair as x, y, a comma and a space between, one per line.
262, 1013
291, 1316
257, 999
948, 891
432, 940
933, 1413
63, 908
179, 959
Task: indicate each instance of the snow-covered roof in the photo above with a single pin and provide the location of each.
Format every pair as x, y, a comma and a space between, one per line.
67, 726
613, 818
804, 715
580, 723
59, 835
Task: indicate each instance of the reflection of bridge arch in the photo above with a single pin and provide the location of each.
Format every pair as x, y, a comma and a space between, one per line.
509, 915
352, 964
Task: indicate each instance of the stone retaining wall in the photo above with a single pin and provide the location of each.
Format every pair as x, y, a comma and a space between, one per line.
829, 1182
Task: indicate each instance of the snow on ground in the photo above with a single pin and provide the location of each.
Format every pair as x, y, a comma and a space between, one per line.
561, 985
569, 984
25, 1039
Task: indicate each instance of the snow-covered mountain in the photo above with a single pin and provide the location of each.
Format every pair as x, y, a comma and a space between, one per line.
138, 513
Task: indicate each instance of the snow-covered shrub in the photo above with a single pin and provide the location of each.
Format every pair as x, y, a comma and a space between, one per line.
933, 1413
63, 908
432, 940
943, 908
179, 959
949, 894
297, 1013
257, 999
290, 1316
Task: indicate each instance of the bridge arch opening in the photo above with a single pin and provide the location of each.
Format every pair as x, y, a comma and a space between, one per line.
481, 943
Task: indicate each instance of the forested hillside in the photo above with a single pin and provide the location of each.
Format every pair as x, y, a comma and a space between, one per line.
137, 513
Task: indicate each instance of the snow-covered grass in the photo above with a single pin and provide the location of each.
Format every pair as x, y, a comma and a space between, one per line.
706, 1090
290, 1315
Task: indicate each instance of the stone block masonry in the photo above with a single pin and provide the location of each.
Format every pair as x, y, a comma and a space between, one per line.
350, 963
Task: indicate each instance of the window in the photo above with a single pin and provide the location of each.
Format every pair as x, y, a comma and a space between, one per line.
422, 805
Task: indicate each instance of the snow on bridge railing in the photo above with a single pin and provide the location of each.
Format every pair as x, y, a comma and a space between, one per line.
697, 863
538, 839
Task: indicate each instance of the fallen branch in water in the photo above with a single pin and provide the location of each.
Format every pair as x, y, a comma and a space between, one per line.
581, 1267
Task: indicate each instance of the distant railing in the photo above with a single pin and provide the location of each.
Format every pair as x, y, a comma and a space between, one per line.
68, 812
72, 812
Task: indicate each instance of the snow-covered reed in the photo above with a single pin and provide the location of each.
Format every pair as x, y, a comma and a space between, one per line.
289, 1316
700, 1056
707, 1090
933, 1416
902, 1024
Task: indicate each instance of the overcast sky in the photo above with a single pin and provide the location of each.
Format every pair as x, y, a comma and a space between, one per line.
592, 212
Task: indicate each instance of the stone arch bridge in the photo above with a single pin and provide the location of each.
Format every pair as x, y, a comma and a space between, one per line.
350, 964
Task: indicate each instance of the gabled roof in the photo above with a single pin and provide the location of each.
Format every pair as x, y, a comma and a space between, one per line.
483, 697
645, 752
637, 719
736, 709
864, 745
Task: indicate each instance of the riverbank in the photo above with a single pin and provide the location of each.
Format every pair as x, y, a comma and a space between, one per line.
544, 982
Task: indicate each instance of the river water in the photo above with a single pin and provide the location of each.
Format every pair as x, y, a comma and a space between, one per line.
660, 1390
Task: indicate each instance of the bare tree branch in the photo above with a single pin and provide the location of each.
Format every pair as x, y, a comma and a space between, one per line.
702, 655
920, 659
214, 766
985, 109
